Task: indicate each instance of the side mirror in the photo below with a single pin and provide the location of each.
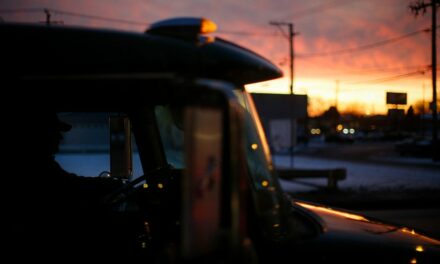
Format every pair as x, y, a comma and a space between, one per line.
120, 147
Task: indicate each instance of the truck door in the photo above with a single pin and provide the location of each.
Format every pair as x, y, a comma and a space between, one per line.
202, 182
214, 186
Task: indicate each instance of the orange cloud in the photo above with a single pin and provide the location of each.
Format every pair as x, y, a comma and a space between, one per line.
322, 27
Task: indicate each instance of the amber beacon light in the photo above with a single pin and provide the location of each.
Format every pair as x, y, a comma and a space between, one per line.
183, 27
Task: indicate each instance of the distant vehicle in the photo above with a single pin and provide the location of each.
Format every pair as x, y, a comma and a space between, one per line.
208, 191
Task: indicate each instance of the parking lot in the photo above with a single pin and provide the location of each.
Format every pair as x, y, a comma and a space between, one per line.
379, 183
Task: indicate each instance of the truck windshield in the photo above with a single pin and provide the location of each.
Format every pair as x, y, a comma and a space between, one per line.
257, 150
171, 131
267, 188
254, 129
170, 127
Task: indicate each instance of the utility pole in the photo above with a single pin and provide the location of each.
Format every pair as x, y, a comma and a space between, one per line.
291, 35
336, 93
47, 12
48, 21
292, 56
421, 6
423, 110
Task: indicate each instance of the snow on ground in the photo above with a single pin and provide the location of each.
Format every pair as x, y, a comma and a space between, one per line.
92, 164
360, 175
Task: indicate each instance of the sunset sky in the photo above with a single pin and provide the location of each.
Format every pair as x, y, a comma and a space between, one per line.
367, 46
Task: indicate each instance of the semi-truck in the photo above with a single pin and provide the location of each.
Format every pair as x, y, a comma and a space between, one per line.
173, 99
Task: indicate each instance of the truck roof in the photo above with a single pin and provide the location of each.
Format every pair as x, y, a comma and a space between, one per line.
34, 50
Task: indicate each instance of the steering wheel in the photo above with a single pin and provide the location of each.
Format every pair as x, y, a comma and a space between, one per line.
154, 177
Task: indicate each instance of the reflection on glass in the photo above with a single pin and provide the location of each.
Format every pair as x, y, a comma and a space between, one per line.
420, 248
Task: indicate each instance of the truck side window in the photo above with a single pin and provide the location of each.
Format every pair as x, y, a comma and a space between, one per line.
170, 126
85, 149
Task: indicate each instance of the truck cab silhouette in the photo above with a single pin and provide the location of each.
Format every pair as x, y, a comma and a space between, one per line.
185, 138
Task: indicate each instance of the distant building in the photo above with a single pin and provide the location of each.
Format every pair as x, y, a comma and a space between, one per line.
284, 118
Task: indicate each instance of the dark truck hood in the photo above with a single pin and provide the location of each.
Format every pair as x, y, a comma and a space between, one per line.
351, 238
37, 50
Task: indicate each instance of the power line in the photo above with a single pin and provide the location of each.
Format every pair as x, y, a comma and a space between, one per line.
21, 10
74, 14
363, 47
120, 21
391, 78
361, 71
114, 20
245, 33
370, 70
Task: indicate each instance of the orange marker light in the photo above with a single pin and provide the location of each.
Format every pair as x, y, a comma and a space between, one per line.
207, 26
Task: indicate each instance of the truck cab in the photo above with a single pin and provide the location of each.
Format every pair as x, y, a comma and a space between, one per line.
183, 139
